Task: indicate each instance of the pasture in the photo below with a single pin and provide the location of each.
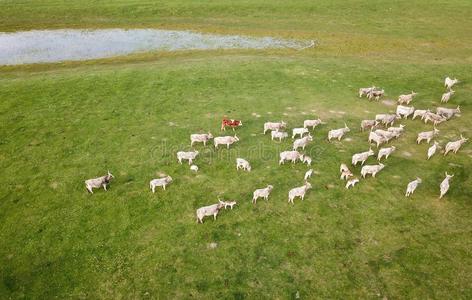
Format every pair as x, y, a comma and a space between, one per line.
67, 122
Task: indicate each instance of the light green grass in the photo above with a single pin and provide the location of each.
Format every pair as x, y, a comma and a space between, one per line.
64, 123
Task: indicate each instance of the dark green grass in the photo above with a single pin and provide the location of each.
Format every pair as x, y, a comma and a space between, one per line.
63, 126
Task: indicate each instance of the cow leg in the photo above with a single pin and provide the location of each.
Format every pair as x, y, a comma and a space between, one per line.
105, 187
164, 187
227, 146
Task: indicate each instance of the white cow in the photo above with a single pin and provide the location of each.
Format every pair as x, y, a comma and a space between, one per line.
228, 203
447, 96
444, 187
365, 91
194, 168
159, 182
420, 113
448, 112
308, 174
274, 126
338, 133
435, 118
307, 160
190, 156
410, 189
432, 150
98, 182
385, 152
302, 142
449, 83
454, 146
405, 111
200, 138
371, 169
299, 131
278, 135
243, 164
378, 139
298, 192
406, 98
312, 123
398, 130
210, 210
225, 140
290, 155
262, 193
361, 157
387, 135
376, 94
351, 182
387, 119
367, 124
427, 135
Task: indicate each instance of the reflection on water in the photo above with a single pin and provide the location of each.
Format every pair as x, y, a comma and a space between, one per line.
60, 45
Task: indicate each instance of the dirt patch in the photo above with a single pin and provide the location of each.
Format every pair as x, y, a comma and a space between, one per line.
172, 124
389, 102
269, 112
54, 185
407, 154
348, 139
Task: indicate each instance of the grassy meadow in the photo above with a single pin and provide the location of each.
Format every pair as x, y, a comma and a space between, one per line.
67, 122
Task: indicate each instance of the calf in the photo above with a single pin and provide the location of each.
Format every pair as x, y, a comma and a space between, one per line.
454, 146
367, 124
302, 142
376, 94
420, 113
274, 126
210, 210
290, 155
278, 135
405, 111
200, 138
410, 189
351, 182
371, 169
345, 172
159, 182
444, 187
230, 123
262, 193
449, 83
385, 152
307, 160
227, 203
448, 112
99, 182
299, 131
194, 168
447, 96
406, 98
298, 192
427, 135
190, 156
308, 174
312, 123
243, 164
338, 133
432, 149
361, 157
225, 140
366, 91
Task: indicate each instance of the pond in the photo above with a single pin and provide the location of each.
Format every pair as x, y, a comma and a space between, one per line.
43, 46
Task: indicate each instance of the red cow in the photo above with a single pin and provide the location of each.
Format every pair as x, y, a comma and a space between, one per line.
231, 123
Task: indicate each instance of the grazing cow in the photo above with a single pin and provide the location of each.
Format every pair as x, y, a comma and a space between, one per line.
410, 189
312, 123
191, 155
449, 83
454, 146
262, 193
361, 157
200, 138
302, 142
398, 130
371, 169
367, 124
385, 152
435, 118
278, 135
366, 91
378, 139
290, 155
351, 182
448, 112
99, 182
420, 113
376, 94
447, 96
405, 111
225, 140
406, 98
307, 160
444, 187
194, 168
308, 174
230, 123
243, 164
210, 210
159, 182
298, 192
299, 131
427, 135
227, 203
338, 133
275, 126
432, 149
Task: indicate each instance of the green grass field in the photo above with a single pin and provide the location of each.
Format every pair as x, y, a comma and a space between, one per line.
67, 122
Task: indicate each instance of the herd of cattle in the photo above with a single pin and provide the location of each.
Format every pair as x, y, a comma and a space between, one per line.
377, 136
